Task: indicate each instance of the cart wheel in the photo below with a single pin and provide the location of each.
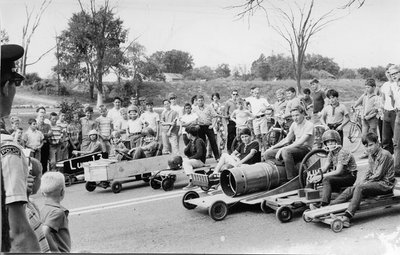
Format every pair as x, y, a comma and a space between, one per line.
305, 217
337, 225
284, 214
116, 187
74, 179
146, 180
90, 186
167, 184
155, 184
218, 210
68, 181
265, 208
205, 188
189, 195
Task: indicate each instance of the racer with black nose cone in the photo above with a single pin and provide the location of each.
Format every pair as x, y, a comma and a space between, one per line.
342, 163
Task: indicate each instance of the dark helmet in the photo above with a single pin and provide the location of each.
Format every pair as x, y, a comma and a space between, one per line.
331, 135
148, 131
175, 162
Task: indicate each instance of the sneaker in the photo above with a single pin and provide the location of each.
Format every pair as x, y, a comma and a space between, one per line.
189, 186
314, 206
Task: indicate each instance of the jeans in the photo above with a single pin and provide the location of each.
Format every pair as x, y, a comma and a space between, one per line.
369, 126
334, 183
231, 134
189, 164
396, 144
389, 118
170, 143
206, 131
290, 156
54, 154
357, 192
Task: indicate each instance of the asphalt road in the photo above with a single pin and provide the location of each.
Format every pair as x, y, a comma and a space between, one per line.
140, 219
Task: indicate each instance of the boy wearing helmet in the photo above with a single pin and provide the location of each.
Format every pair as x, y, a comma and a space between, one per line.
344, 172
149, 145
93, 146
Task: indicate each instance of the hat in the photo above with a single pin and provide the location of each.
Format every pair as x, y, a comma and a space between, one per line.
133, 108
9, 54
394, 69
315, 80
93, 132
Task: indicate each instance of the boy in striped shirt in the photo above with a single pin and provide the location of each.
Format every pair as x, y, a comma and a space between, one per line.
54, 140
104, 127
64, 144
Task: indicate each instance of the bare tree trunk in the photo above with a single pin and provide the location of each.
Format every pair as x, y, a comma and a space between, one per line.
91, 90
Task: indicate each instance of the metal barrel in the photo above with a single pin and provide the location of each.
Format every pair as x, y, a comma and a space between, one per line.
250, 178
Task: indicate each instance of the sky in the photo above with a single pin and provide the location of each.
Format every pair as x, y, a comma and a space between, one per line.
211, 32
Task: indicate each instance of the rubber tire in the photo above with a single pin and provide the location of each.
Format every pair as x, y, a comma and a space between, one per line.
284, 214
265, 208
305, 218
167, 184
155, 184
218, 210
189, 195
90, 186
336, 225
116, 187
203, 188
303, 163
68, 181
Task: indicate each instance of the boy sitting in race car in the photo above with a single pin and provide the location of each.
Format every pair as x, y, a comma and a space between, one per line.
118, 148
248, 152
344, 172
93, 146
379, 179
149, 146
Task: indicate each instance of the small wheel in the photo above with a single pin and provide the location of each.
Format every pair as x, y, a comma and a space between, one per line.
337, 225
167, 184
90, 186
218, 210
155, 184
68, 181
284, 214
265, 208
74, 179
116, 187
305, 217
189, 195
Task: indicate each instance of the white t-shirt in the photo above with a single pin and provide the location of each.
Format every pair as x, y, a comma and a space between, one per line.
178, 109
135, 126
115, 115
305, 128
152, 118
258, 105
385, 89
396, 94
122, 124
188, 118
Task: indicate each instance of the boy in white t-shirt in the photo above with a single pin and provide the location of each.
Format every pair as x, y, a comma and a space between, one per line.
105, 127
135, 126
122, 126
241, 116
151, 118
33, 139
187, 119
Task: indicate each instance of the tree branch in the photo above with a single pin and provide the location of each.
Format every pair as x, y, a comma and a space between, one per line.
41, 56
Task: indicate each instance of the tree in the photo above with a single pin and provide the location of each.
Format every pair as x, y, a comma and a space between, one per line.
176, 61
318, 62
222, 71
347, 73
260, 68
92, 43
295, 23
281, 66
378, 73
364, 72
28, 31
202, 73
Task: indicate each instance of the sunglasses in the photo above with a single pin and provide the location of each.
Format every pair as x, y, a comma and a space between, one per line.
235, 94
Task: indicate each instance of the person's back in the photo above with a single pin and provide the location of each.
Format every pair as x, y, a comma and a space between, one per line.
54, 215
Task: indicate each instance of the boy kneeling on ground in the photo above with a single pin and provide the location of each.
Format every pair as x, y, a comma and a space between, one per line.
344, 173
379, 179
248, 152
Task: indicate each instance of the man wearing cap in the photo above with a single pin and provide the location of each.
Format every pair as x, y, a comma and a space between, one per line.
389, 114
17, 235
318, 97
395, 96
230, 106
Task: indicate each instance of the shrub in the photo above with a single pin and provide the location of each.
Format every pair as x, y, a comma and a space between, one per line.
69, 108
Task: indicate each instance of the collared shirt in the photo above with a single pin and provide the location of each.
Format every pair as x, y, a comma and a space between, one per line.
334, 114
15, 169
33, 139
345, 158
33, 216
370, 103
230, 106
258, 105
44, 128
178, 109
304, 128
104, 126
386, 92
55, 216
206, 114
245, 149
381, 169
152, 118
114, 114
57, 134
318, 100
73, 131
169, 116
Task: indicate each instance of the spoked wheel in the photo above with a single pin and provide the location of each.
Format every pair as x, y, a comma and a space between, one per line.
337, 225
90, 186
284, 214
311, 163
354, 137
189, 195
218, 210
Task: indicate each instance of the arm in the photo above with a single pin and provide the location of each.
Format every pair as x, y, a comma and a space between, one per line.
52, 244
23, 239
359, 101
300, 141
346, 120
249, 156
284, 141
233, 116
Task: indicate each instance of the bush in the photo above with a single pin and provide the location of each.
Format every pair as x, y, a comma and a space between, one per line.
31, 78
69, 109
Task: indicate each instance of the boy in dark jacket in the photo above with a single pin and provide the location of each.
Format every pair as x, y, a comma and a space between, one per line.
195, 152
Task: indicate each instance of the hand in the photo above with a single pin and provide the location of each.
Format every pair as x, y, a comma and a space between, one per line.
169, 133
210, 127
75, 152
29, 182
315, 178
278, 154
339, 128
